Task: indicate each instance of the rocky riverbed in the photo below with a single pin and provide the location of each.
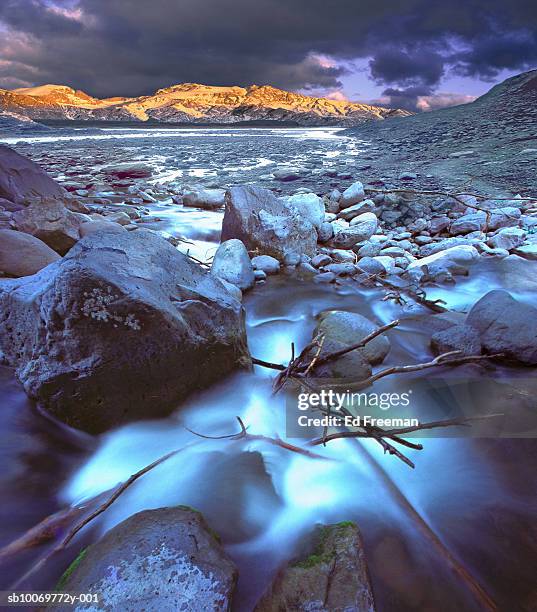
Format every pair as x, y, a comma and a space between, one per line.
237, 243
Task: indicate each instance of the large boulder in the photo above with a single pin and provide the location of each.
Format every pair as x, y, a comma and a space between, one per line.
51, 222
232, 264
266, 225
22, 181
506, 325
122, 328
22, 254
330, 576
164, 559
461, 338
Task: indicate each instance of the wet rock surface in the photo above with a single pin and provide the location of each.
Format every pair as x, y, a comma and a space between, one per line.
331, 576
164, 559
121, 315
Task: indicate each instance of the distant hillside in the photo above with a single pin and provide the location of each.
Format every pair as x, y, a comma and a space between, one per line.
191, 103
491, 141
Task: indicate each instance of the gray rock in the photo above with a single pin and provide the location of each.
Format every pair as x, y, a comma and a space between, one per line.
361, 228
341, 269
351, 327
120, 217
90, 227
528, 251
287, 174
473, 222
269, 265
439, 224
22, 254
232, 263
115, 331
407, 176
506, 216
506, 325
325, 232
371, 265
343, 256
352, 195
329, 576
321, 260
232, 289
325, 277
209, 199
455, 260
264, 224
156, 560
508, 238
357, 209
457, 338
51, 222
443, 245
309, 206
22, 181
370, 249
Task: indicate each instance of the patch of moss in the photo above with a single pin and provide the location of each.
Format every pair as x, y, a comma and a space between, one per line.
319, 554
314, 560
344, 524
65, 576
189, 508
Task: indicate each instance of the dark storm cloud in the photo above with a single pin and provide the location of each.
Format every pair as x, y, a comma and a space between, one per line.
391, 65
129, 47
489, 54
406, 98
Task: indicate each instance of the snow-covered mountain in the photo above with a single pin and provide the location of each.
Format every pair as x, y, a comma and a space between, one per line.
190, 103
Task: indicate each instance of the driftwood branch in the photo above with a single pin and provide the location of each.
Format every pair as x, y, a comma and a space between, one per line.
300, 368
53, 526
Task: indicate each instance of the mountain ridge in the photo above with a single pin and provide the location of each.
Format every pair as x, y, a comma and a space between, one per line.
190, 103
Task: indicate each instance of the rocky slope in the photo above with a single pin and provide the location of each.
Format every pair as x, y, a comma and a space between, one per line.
190, 103
489, 145
11, 123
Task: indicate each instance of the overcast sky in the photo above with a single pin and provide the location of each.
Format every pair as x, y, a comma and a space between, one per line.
407, 53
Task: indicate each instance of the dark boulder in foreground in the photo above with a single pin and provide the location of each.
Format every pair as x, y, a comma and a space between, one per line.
165, 559
266, 225
21, 180
506, 326
122, 328
331, 577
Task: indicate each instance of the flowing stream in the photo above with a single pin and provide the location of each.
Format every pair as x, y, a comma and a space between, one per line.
464, 516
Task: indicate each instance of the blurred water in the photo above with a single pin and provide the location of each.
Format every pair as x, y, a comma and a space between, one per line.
476, 496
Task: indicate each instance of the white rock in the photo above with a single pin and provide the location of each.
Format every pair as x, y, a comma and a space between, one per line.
508, 238
266, 263
352, 195
528, 251
455, 260
309, 206
231, 263
205, 198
